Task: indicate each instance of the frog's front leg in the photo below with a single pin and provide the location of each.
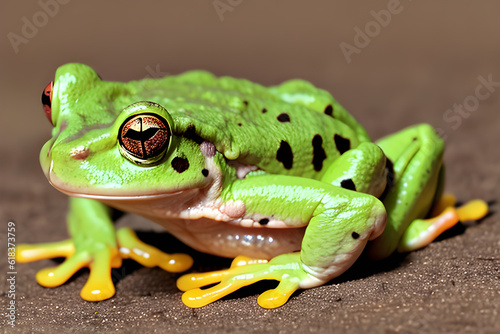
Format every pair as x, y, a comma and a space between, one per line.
96, 245
361, 169
339, 224
416, 185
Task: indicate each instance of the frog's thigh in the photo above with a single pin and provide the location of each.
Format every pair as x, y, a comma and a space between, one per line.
416, 154
339, 221
361, 169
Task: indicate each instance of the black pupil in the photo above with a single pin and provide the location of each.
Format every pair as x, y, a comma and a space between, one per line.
46, 97
141, 135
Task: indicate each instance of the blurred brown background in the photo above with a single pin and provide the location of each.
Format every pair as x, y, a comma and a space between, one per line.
390, 63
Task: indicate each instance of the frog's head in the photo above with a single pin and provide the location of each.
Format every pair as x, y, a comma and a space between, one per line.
106, 144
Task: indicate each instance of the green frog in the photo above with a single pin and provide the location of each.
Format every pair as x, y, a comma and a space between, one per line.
282, 179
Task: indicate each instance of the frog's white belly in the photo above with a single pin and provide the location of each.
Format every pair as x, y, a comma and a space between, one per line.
208, 229
228, 240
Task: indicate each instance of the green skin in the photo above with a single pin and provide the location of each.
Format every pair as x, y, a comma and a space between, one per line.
313, 210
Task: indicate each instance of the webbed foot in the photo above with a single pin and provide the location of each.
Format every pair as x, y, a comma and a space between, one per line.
131, 247
444, 216
286, 268
99, 257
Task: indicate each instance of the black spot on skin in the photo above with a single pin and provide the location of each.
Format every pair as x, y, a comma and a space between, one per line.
318, 153
390, 178
390, 172
343, 144
283, 118
348, 184
239, 124
191, 134
264, 110
180, 164
245, 102
264, 221
355, 235
204, 172
285, 155
329, 110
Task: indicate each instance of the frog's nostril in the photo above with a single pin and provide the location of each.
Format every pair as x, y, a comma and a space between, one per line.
79, 153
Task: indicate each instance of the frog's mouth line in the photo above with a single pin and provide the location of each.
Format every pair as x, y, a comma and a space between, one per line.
65, 189
102, 197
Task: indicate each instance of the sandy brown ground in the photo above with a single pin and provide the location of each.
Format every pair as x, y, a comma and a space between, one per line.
426, 59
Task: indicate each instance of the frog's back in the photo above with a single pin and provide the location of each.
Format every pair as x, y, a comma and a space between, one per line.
294, 128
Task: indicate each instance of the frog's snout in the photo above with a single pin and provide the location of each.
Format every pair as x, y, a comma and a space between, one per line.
45, 156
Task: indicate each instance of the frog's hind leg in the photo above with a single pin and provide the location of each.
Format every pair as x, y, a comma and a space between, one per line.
416, 177
416, 184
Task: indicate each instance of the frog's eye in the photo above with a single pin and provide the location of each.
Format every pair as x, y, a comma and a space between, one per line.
144, 138
47, 101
